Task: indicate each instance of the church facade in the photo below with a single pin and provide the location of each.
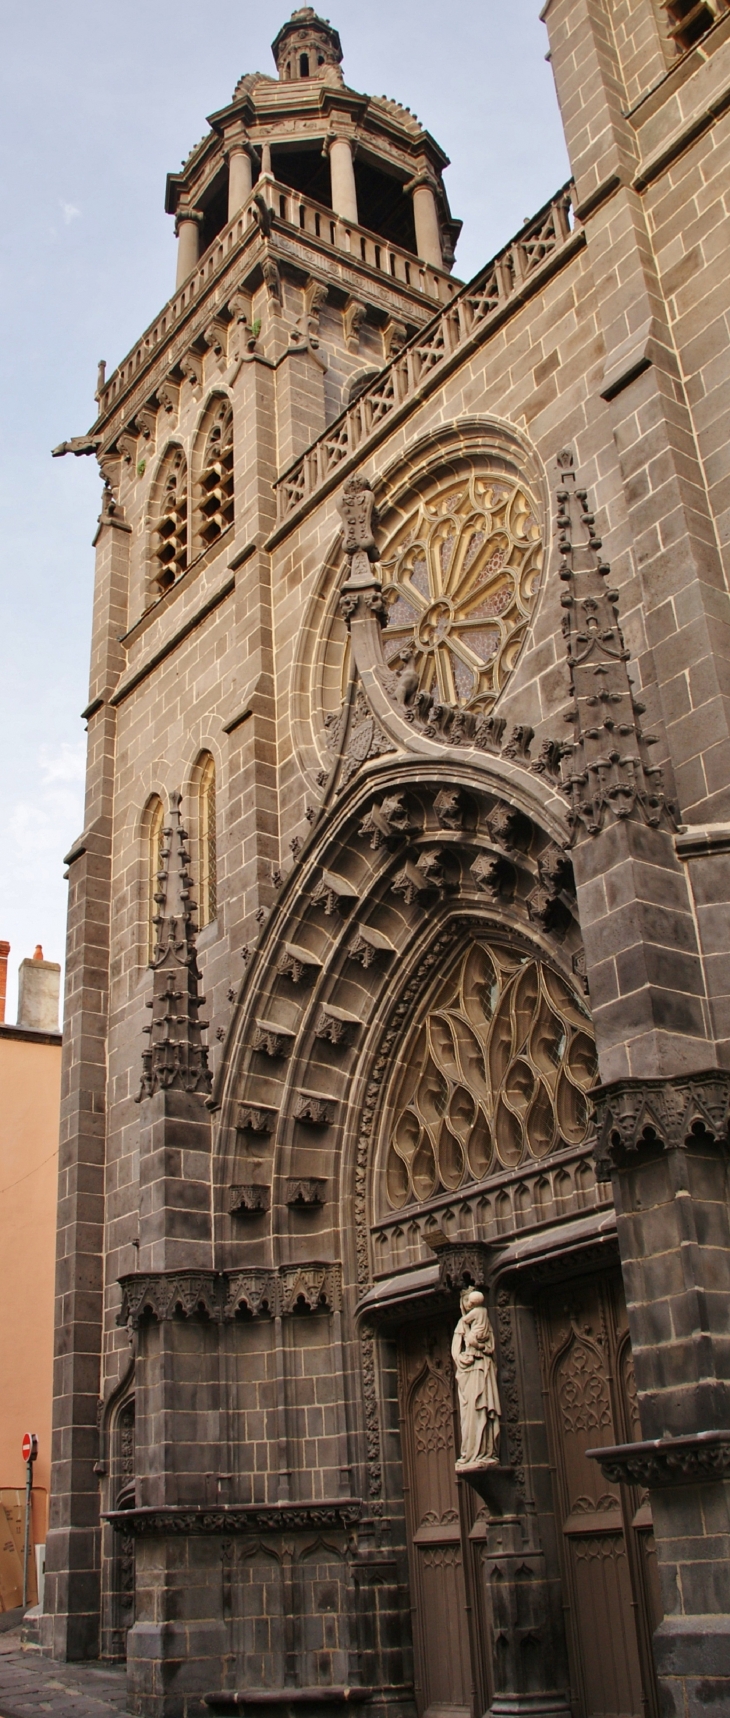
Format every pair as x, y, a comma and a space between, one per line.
392, 1353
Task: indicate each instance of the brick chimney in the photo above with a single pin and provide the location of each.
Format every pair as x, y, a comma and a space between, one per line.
4, 952
39, 989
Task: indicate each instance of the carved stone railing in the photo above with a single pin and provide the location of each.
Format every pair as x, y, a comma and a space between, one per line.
306, 217
471, 312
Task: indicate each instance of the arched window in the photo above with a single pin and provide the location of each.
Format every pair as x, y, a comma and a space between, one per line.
215, 488
170, 521
155, 821
207, 842
304, 65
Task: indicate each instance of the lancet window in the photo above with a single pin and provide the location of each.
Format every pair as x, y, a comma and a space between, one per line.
498, 1077
207, 843
170, 532
155, 821
461, 577
215, 487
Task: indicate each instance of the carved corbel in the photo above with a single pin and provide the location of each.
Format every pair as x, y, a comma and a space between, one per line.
248, 1199
333, 893
368, 944
255, 1119
315, 296
450, 808
353, 316
272, 282
388, 822
168, 394
127, 446
145, 424
314, 1110
395, 337
272, 1040
191, 365
415, 882
496, 875
215, 335
305, 1193
336, 1025
297, 964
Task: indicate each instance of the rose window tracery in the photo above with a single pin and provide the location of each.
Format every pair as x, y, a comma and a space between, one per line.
499, 1075
461, 579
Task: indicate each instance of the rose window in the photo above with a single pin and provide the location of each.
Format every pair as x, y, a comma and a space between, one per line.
461, 579
499, 1076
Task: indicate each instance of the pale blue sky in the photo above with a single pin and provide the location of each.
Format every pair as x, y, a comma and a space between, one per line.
99, 101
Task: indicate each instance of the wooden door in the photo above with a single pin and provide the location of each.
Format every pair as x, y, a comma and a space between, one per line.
450, 1679
609, 1576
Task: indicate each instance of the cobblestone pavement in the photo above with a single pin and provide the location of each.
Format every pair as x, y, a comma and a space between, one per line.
32, 1686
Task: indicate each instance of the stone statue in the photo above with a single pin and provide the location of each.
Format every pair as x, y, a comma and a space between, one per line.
472, 1351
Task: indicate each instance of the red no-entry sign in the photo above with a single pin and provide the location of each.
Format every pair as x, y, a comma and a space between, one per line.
30, 1446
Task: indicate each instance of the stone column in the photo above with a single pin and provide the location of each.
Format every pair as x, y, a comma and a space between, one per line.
187, 231
425, 215
663, 1126
70, 1625
240, 176
342, 179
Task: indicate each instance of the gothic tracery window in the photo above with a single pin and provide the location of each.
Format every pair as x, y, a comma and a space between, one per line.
215, 487
170, 533
207, 843
498, 1076
155, 821
461, 577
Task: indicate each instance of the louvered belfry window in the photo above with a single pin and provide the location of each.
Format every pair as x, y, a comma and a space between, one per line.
690, 19
170, 534
208, 850
215, 488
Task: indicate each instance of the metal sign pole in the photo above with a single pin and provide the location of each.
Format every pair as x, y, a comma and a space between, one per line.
30, 1451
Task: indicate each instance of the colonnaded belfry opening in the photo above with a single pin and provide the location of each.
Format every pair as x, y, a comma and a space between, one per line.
393, 1367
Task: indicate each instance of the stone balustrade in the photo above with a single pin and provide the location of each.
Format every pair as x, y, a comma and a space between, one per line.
475, 308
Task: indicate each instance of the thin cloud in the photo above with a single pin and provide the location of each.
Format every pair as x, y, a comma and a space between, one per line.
69, 211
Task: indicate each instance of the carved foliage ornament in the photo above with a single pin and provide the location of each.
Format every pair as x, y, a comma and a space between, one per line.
219, 1295
499, 1074
460, 578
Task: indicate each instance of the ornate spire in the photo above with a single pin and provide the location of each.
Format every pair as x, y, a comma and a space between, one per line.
609, 775
176, 1059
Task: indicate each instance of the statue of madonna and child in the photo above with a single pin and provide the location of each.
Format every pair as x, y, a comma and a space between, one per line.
472, 1351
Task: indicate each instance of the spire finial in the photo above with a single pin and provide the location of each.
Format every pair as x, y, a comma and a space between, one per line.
176, 1058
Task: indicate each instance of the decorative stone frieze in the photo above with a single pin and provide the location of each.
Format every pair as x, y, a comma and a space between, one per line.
175, 1520
218, 1295
460, 1263
689, 1460
664, 1113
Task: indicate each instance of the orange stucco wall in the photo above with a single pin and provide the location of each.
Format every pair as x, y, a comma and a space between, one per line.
30, 1090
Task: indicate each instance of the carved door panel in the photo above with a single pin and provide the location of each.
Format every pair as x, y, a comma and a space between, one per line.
447, 1624
606, 1562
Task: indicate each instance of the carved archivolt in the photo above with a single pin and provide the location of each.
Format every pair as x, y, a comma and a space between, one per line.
498, 1075
461, 576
